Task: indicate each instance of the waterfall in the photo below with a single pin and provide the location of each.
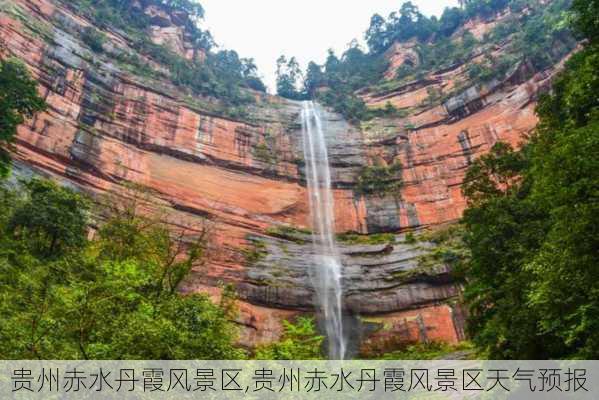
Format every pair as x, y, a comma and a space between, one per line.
327, 269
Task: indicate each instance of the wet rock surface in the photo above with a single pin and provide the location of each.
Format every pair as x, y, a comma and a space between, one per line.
378, 278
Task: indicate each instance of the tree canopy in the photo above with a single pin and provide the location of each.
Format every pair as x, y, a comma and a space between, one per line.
19, 100
409, 23
289, 78
539, 38
112, 297
532, 225
222, 74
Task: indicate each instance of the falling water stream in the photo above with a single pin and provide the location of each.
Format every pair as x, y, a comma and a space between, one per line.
327, 268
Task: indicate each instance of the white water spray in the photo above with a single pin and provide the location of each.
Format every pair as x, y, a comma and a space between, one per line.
327, 271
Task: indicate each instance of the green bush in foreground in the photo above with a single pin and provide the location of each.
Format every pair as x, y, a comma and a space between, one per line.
300, 341
531, 227
113, 297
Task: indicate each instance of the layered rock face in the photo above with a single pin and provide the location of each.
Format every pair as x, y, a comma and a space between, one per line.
107, 124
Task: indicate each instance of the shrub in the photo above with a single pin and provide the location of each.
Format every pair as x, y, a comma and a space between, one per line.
94, 39
300, 341
113, 297
380, 180
52, 219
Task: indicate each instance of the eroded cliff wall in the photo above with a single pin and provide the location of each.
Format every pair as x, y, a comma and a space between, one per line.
108, 124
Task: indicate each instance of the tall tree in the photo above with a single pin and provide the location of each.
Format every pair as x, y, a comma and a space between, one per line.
289, 78
375, 35
19, 100
532, 224
53, 219
314, 79
113, 297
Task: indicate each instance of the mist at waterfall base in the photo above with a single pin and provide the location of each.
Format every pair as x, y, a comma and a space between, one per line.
327, 271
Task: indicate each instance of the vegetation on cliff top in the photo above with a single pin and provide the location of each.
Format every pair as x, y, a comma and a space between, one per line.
300, 341
531, 33
531, 228
222, 74
130, 16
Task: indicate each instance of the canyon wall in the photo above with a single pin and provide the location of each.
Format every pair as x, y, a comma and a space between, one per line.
107, 124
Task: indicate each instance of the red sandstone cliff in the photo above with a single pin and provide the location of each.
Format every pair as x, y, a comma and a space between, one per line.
107, 125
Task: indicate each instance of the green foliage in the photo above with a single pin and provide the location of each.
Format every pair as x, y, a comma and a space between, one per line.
478, 72
19, 100
113, 297
255, 253
586, 21
449, 249
495, 174
431, 351
52, 220
451, 19
222, 75
409, 23
354, 70
345, 103
263, 153
289, 76
485, 8
315, 79
380, 180
130, 17
410, 238
374, 239
94, 39
266, 151
443, 53
565, 166
300, 341
544, 37
291, 233
502, 234
536, 39
532, 231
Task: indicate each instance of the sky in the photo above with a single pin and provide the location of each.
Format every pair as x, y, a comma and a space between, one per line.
306, 29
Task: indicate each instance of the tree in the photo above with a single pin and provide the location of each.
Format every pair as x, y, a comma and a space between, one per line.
300, 341
52, 218
566, 168
376, 35
531, 226
586, 21
409, 23
564, 292
193, 8
451, 19
315, 78
485, 8
495, 174
502, 231
249, 71
94, 39
289, 77
115, 296
19, 100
